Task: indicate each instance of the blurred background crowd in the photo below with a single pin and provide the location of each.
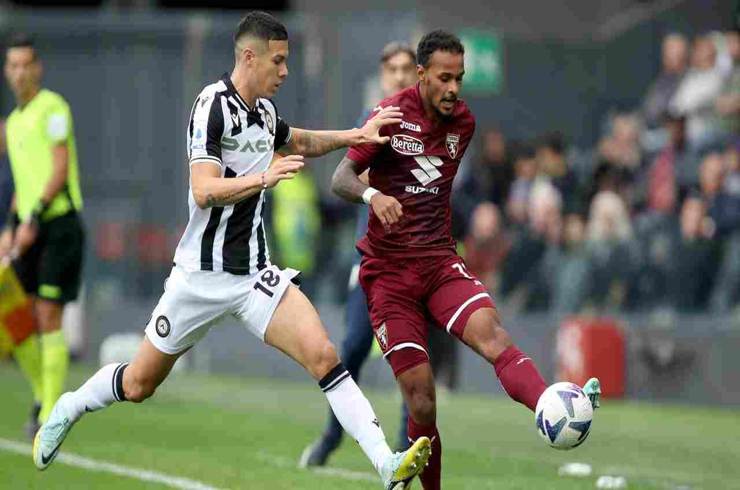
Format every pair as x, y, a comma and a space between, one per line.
649, 217
604, 176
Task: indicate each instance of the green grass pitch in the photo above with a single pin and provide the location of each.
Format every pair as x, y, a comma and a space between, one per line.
231, 432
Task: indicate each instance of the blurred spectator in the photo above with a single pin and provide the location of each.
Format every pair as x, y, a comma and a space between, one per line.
662, 189
620, 158
695, 260
486, 244
495, 171
488, 179
525, 171
608, 240
696, 95
732, 166
728, 102
522, 275
722, 207
551, 163
571, 275
660, 93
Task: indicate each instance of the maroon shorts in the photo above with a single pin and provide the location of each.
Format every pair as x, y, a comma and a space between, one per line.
404, 296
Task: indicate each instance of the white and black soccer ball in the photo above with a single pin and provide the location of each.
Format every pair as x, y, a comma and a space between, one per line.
563, 416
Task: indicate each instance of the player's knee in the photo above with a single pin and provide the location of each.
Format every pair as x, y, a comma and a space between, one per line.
422, 403
499, 342
485, 334
423, 408
48, 316
323, 360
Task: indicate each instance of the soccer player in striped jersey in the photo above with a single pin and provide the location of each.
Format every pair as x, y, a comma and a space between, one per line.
222, 263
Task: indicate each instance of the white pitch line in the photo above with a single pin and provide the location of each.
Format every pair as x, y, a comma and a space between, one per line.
344, 474
106, 467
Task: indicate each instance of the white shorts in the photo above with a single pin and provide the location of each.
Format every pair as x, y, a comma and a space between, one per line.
194, 301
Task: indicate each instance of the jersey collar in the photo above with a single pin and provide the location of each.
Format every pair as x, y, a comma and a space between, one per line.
226, 78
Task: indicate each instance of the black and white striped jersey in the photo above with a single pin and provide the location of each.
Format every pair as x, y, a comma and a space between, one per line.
223, 129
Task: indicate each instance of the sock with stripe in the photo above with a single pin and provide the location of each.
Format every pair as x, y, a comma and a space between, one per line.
519, 377
28, 356
54, 365
103, 389
431, 478
355, 414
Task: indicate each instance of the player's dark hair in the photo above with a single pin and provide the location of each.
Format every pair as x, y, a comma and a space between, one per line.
553, 140
392, 49
438, 40
262, 26
22, 40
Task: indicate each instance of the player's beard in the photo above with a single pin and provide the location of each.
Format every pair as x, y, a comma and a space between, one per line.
442, 115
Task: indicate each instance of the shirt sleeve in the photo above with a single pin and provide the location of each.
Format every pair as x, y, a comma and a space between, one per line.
365, 154
206, 129
58, 124
282, 133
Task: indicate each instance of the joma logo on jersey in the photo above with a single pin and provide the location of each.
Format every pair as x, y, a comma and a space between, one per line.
262, 145
410, 126
407, 145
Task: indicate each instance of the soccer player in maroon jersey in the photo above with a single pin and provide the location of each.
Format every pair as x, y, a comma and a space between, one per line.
410, 270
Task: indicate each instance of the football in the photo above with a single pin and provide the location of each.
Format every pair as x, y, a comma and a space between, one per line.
563, 416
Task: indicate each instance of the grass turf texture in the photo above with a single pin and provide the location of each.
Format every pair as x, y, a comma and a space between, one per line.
232, 432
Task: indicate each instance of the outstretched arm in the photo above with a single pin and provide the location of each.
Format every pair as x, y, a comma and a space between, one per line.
347, 184
317, 143
210, 189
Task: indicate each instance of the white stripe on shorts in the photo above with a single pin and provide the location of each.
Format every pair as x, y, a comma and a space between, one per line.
462, 307
404, 345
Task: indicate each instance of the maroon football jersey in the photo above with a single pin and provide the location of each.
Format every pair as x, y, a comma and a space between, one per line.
417, 167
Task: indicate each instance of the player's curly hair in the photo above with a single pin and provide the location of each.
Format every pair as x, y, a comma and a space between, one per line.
438, 40
262, 26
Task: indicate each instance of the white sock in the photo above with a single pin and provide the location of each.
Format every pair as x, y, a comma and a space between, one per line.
100, 391
355, 414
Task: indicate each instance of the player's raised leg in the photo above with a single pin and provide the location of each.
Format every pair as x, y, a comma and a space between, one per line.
296, 330
115, 382
517, 372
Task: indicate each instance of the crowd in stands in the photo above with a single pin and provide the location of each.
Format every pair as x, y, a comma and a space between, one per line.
649, 218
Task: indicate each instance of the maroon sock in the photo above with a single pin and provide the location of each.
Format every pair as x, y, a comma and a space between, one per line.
519, 377
431, 478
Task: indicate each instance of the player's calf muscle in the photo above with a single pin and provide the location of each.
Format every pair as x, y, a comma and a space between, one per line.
417, 385
137, 388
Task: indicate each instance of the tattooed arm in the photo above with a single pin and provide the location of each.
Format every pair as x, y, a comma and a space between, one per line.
317, 143
212, 190
350, 182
